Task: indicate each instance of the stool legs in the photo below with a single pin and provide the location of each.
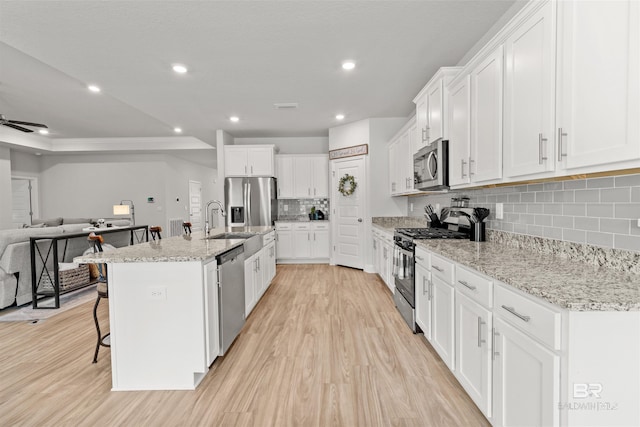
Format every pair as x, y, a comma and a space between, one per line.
100, 337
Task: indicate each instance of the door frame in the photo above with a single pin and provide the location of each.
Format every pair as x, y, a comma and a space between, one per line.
366, 216
35, 194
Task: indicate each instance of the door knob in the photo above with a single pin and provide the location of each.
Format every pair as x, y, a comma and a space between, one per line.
359, 219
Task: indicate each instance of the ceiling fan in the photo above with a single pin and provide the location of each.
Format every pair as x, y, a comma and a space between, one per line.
14, 124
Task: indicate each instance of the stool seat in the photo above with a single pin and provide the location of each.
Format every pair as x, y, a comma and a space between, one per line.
155, 232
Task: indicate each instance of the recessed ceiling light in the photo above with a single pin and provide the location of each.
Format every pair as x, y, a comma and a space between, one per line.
179, 68
93, 88
44, 132
348, 65
234, 119
177, 130
339, 116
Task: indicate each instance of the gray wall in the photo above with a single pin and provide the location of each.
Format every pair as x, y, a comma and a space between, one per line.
5, 188
598, 211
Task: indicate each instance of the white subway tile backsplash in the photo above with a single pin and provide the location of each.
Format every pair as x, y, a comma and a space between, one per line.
596, 211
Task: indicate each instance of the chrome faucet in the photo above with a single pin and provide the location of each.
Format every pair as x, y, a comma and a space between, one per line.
207, 227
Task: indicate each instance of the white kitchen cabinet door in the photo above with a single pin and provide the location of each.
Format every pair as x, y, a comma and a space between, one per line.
260, 161
473, 351
405, 163
598, 107
284, 174
394, 185
271, 262
262, 273
526, 380
235, 161
386, 267
211, 312
250, 295
485, 162
459, 132
435, 109
442, 328
320, 243
410, 150
421, 140
423, 300
320, 168
284, 244
529, 95
302, 243
302, 177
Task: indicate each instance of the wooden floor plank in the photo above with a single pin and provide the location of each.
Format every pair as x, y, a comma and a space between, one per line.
324, 347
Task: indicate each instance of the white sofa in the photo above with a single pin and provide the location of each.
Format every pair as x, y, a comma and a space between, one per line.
15, 254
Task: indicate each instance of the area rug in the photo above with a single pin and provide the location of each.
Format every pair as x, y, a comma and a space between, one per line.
67, 302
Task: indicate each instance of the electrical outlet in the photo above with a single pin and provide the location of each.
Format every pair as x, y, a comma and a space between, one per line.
410, 207
499, 210
158, 293
286, 208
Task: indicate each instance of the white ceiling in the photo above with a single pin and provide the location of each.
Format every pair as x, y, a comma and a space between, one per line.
243, 56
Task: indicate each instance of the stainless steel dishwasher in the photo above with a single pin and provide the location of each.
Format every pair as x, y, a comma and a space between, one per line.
231, 295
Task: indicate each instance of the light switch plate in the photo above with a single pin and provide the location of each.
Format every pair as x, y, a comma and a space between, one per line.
499, 211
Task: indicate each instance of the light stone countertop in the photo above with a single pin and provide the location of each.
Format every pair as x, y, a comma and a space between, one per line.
175, 249
569, 284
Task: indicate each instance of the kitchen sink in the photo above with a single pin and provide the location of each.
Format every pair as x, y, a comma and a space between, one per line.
252, 241
232, 235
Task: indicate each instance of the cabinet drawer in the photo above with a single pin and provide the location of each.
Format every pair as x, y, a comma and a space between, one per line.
526, 314
443, 268
284, 226
302, 226
423, 258
268, 238
323, 226
475, 286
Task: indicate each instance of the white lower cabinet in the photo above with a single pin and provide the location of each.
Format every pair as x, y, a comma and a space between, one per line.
526, 380
302, 242
250, 273
383, 257
259, 271
473, 351
423, 300
212, 333
442, 329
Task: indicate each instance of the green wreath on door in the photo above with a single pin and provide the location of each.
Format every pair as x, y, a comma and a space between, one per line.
347, 185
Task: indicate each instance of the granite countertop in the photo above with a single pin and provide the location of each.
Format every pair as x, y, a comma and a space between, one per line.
175, 249
383, 228
569, 284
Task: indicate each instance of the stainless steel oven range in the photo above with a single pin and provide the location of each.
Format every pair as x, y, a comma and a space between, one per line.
404, 267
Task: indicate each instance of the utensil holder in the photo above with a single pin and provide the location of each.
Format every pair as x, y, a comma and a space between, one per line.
478, 232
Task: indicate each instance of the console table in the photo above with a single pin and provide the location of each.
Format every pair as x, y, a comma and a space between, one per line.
40, 273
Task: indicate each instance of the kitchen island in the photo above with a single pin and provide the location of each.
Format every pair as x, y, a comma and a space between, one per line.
164, 308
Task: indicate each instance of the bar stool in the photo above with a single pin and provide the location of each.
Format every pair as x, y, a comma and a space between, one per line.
103, 292
155, 232
186, 226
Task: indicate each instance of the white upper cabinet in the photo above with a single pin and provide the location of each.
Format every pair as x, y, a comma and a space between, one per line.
249, 160
431, 108
485, 162
529, 95
284, 173
401, 180
459, 131
302, 176
598, 114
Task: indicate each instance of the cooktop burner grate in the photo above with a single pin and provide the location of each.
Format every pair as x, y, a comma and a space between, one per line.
431, 233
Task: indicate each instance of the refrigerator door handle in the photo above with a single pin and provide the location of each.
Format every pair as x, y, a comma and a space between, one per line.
248, 205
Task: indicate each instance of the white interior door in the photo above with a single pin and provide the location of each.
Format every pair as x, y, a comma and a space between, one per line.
348, 213
23, 194
195, 205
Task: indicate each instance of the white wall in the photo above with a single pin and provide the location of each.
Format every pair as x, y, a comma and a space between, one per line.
5, 188
356, 133
88, 185
291, 145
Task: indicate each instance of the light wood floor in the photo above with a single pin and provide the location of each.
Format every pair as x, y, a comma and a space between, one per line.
325, 346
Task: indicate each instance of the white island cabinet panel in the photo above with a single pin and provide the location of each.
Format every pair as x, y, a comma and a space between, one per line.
151, 350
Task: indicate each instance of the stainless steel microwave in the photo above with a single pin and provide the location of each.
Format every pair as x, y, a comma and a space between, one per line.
431, 166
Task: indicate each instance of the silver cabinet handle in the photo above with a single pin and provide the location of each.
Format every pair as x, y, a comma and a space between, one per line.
278, 191
258, 260
314, 191
437, 268
541, 141
480, 323
375, 246
515, 313
308, 191
424, 134
495, 352
251, 169
560, 153
462, 163
471, 161
308, 236
245, 169
314, 236
393, 186
426, 130
462, 282
424, 285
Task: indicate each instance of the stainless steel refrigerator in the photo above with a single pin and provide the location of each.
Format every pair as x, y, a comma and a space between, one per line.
250, 201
